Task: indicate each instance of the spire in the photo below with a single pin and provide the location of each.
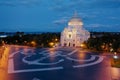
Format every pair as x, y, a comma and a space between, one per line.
75, 14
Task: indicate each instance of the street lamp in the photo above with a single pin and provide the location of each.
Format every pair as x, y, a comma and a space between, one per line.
33, 43
56, 39
82, 45
115, 56
51, 44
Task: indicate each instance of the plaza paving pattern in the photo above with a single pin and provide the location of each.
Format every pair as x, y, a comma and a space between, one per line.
56, 64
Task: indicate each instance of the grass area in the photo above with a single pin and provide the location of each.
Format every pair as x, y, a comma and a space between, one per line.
115, 62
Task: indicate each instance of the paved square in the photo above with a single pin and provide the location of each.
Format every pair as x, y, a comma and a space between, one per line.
55, 64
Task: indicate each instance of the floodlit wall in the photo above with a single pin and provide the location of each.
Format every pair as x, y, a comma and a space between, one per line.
74, 34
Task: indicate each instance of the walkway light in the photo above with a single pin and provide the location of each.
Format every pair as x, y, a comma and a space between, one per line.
51, 44
82, 45
56, 39
33, 43
115, 56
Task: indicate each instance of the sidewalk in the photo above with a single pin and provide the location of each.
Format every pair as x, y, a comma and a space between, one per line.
4, 52
115, 73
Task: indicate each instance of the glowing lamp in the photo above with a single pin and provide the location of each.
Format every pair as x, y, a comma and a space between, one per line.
115, 57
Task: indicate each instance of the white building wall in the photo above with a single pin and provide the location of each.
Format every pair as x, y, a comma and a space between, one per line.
75, 35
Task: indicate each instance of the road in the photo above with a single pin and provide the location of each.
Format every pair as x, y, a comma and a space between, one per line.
57, 64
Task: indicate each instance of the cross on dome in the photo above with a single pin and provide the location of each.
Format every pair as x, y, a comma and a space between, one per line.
75, 20
75, 14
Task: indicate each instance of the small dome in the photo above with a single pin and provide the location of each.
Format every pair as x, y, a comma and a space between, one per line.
75, 20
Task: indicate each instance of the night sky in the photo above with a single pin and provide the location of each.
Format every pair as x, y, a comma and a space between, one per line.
53, 15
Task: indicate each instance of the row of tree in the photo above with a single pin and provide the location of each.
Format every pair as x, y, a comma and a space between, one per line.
104, 41
100, 41
38, 40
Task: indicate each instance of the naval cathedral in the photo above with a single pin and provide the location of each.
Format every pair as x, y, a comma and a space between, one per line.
74, 34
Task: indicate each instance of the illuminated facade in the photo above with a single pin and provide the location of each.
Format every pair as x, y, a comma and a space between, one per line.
74, 35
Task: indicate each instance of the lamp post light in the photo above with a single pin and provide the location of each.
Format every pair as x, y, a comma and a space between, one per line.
83, 45
33, 43
111, 50
115, 56
51, 44
56, 39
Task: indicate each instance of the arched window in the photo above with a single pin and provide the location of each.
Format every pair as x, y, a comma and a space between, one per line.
69, 35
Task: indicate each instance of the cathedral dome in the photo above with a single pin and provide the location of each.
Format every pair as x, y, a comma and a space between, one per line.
75, 20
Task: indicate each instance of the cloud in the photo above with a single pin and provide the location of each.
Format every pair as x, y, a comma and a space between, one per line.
60, 22
69, 4
58, 8
103, 27
94, 25
96, 14
98, 25
19, 2
113, 18
82, 5
108, 3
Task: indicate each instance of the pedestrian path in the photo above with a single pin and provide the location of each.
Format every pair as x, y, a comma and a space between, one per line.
4, 63
115, 73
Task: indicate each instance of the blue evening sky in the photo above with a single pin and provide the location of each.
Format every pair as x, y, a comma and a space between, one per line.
53, 15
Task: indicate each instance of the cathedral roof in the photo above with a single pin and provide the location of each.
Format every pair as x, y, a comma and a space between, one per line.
75, 20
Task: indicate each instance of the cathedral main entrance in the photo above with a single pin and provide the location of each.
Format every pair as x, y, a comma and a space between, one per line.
69, 44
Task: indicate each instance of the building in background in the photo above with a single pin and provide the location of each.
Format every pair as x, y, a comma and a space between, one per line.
74, 34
